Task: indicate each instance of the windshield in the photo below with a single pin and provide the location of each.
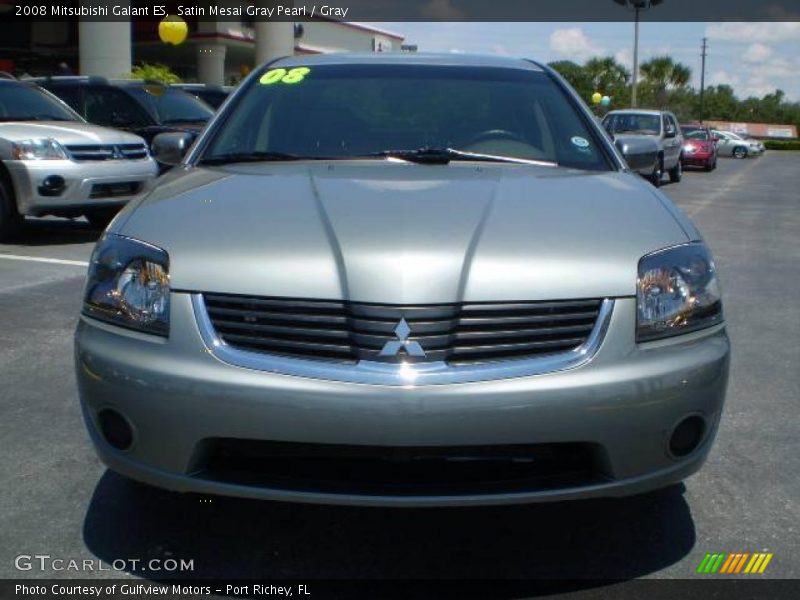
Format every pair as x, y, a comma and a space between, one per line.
346, 111
170, 105
633, 123
695, 133
23, 102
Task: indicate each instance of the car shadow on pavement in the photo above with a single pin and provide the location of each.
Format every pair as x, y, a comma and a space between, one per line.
52, 232
608, 539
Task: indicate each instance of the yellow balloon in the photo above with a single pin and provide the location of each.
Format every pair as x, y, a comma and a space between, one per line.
597, 97
173, 30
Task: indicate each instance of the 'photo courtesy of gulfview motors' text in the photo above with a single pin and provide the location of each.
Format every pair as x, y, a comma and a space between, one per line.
419, 299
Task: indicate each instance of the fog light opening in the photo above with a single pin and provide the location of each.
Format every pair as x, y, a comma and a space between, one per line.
686, 436
53, 185
115, 429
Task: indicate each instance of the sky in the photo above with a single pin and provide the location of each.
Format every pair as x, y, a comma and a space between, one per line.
753, 58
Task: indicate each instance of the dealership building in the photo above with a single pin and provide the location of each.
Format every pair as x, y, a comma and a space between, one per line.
217, 50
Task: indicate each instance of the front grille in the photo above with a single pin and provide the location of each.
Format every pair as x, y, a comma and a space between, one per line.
87, 152
350, 332
399, 470
115, 190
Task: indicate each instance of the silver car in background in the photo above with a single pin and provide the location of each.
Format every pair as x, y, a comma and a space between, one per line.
54, 163
632, 125
404, 280
731, 144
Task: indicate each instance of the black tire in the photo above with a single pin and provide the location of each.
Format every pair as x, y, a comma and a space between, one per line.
709, 166
10, 219
676, 172
658, 173
100, 218
740, 152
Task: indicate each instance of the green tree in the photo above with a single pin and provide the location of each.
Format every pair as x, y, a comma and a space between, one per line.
154, 72
609, 78
576, 75
663, 75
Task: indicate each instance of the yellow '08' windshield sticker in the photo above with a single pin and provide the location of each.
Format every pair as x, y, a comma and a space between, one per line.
290, 76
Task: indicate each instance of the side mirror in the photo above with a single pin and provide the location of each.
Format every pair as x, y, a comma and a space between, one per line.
170, 148
640, 153
670, 132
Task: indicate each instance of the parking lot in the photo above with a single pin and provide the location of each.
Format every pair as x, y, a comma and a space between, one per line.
59, 500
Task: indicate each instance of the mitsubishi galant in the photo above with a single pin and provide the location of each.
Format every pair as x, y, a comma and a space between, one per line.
402, 280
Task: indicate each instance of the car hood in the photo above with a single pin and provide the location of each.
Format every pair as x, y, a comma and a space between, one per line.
401, 233
66, 132
637, 137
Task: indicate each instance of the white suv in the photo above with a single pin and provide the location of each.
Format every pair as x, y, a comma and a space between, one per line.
54, 163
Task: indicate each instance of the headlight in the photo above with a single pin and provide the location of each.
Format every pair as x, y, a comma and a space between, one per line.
676, 292
128, 285
689, 149
40, 149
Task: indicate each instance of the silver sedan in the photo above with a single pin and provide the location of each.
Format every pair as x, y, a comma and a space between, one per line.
731, 144
402, 280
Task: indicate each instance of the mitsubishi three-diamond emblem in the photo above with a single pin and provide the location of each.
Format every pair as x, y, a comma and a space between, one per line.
393, 347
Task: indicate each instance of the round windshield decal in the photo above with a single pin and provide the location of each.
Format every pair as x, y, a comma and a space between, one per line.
580, 142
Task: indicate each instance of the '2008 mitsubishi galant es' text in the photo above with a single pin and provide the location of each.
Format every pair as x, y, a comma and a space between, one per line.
405, 280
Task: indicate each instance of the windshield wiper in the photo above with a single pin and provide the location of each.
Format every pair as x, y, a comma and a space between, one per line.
185, 120
35, 118
243, 157
442, 156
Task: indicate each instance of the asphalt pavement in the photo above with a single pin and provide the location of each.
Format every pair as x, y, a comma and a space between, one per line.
58, 499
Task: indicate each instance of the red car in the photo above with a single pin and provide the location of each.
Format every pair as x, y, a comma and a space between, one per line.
699, 148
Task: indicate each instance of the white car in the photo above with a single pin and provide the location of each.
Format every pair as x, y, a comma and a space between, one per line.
732, 144
54, 163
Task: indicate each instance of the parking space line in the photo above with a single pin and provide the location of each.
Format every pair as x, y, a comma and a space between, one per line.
727, 186
52, 261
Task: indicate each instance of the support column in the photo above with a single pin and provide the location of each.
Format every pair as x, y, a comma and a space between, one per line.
273, 38
105, 46
211, 63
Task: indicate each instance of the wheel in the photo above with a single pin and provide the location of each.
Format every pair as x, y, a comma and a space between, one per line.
10, 219
100, 218
740, 152
709, 166
676, 172
658, 171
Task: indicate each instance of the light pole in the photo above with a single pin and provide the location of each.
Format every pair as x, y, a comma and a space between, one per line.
636, 6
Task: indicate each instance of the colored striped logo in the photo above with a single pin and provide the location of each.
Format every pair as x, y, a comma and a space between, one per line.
740, 562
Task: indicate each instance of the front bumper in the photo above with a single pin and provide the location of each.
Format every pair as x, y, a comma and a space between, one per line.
88, 185
178, 398
697, 159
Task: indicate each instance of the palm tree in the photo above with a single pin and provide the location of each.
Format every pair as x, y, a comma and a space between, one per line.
662, 74
576, 75
608, 77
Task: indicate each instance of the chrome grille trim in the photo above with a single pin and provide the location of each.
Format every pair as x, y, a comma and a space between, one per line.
436, 372
96, 152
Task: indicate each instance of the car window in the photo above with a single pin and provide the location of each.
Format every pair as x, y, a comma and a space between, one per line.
109, 106
695, 133
169, 105
71, 95
640, 123
23, 102
674, 124
353, 110
211, 97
